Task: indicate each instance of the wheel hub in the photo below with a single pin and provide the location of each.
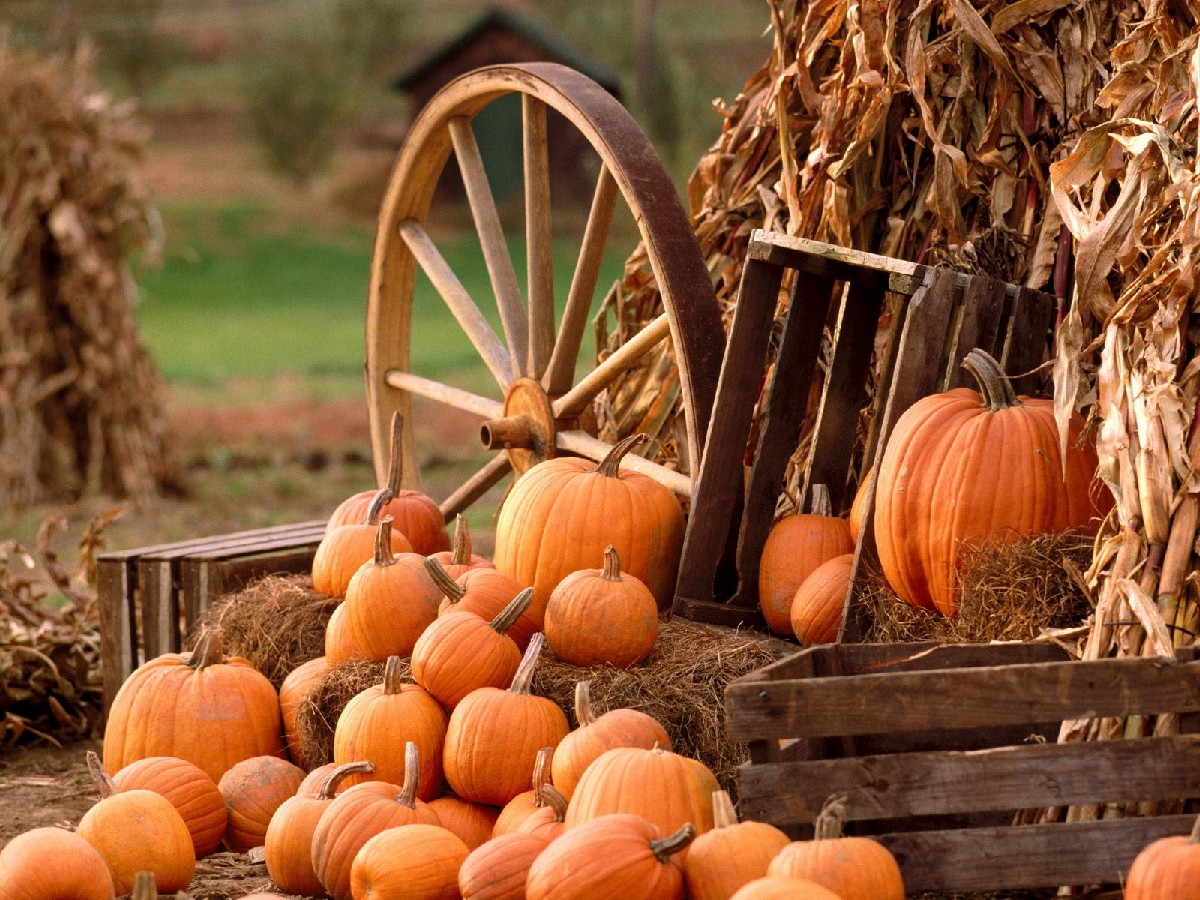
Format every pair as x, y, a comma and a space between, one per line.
527, 429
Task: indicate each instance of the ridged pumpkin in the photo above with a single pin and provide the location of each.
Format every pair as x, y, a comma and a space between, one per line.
205, 692
340, 645
459, 558
594, 735
604, 616
412, 862
731, 855
495, 734
526, 803
817, 606
415, 515
617, 855
796, 545
561, 514
377, 722
472, 822
777, 887
194, 795
52, 863
1167, 867
485, 592
346, 548
498, 868
137, 831
293, 692
253, 789
965, 467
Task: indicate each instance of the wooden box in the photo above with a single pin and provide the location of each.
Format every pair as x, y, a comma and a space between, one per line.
938, 746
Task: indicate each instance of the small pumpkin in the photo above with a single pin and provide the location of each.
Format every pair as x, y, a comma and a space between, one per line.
51, 863
472, 822
858, 509
194, 795
731, 855
817, 605
498, 868
346, 548
459, 558
598, 617
253, 789
594, 735
1167, 867
292, 693
526, 803
485, 592
412, 862
777, 887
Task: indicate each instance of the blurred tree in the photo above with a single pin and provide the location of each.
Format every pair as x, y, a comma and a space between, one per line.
372, 33
126, 33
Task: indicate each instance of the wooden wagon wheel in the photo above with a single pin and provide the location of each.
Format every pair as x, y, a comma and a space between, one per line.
537, 412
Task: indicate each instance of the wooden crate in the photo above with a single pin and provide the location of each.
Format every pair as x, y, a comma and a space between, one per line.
937, 746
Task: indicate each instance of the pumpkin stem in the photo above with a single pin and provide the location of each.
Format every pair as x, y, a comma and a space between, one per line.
460, 546
522, 682
384, 556
392, 675
507, 617
831, 818
541, 774
412, 776
994, 385
447, 585
611, 464
553, 797
207, 650
396, 454
340, 774
612, 564
819, 502
144, 887
103, 780
584, 716
724, 815
663, 848
382, 498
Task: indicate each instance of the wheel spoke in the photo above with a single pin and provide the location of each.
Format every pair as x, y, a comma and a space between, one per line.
477, 328
491, 238
476, 486
540, 261
445, 394
561, 370
583, 444
625, 357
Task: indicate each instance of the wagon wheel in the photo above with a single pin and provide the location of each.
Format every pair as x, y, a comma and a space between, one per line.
538, 406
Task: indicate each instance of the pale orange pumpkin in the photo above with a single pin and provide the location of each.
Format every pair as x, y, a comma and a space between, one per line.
52, 863
1167, 867
472, 822
731, 855
253, 789
459, 558
411, 862
485, 592
345, 549
498, 868
194, 795
777, 887
817, 605
522, 806
293, 692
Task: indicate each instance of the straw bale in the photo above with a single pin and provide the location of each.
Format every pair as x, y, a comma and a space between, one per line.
319, 712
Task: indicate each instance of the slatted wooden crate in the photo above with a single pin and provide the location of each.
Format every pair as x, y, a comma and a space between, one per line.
936, 748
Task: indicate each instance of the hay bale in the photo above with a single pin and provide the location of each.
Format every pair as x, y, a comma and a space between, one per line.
319, 711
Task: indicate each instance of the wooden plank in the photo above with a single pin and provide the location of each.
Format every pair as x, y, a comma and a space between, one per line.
969, 698
1031, 856
983, 303
711, 612
118, 636
1025, 342
893, 786
158, 597
836, 263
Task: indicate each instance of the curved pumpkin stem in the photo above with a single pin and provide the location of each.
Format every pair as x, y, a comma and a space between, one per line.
584, 715
460, 544
724, 815
412, 775
612, 564
452, 589
144, 887
104, 782
384, 556
522, 682
382, 498
507, 617
541, 774
611, 464
554, 798
994, 385
340, 774
664, 848
395, 454
393, 675
207, 651
831, 819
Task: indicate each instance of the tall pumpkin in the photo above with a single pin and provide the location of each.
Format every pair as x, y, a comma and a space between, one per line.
965, 467
561, 514
206, 694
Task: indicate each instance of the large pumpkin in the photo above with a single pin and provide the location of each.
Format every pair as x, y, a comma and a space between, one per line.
1168, 867
561, 514
965, 467
52, 863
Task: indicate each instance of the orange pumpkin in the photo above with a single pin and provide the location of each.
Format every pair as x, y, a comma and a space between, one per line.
459, 558
858, 509
472, 822
340, 645
412, 862
560, 515
526, 803
485, 592
194, 795
731, 855
205, 692
497, 869
414, 514
550, 820
966, 467
51, 863
345, 549
597, 617
817, 606
494, 736
1167, 867
594, 735
253, 789
776, 887
293, 692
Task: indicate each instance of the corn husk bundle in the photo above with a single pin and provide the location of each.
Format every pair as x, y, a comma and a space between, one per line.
81, 409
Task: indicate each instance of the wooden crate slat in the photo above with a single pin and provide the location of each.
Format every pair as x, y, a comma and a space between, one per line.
1033, 314
118, 630
836, 263
979, 326
204, 579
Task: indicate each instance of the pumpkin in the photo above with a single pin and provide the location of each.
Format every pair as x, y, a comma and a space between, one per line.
854, 868
137, 831
293, 692
858, 509
731, 855
560, 515
253, 790
796, 545
817, 606
597, 617
315, 780
377, 722
412, 862
522, 806
340, 645
966, 467
358, 814
459, 558
494, 736
51, 863
177, 703
497, 869
594, 735
1167, 867
485, 592
550, 820
346, 548
776, 887
389, 601
288, 842
194, 795
472, 822
460, 652
617, 855
414, 514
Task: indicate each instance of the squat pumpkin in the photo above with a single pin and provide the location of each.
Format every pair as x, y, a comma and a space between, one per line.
51, 863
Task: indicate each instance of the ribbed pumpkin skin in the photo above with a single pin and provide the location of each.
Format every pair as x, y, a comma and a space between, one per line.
1168, 867
388, 606
140, 831
292, 692
953, 472
817, 607
854, 868
414, 515
733, 854
413, 862
343, 551
460, 652
194, 795
253, 790
51, 864
609, 856
497, 869
795, 547
776, 887
230, 696
472, 822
